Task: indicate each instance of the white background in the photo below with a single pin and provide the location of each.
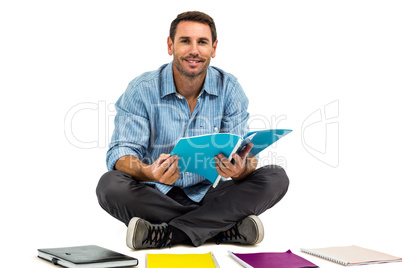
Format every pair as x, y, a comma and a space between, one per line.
293, 58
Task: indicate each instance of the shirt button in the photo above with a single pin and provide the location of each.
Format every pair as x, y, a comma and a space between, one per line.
216, 129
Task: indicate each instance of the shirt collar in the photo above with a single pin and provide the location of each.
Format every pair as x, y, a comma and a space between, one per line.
168, 87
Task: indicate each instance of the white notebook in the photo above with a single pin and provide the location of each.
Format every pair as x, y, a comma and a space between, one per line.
352, 255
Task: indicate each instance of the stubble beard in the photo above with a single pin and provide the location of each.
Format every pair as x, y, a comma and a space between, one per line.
179, 66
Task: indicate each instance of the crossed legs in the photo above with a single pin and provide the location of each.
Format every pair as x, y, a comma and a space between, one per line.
222, 207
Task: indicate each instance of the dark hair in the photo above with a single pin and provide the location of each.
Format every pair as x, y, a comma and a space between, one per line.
195, 16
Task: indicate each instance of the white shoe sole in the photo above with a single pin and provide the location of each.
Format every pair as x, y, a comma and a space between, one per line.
259, 226
131, 232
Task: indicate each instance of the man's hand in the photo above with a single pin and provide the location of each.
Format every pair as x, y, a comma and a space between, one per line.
164, 170
240, 169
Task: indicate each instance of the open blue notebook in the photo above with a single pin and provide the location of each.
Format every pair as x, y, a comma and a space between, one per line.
197, 153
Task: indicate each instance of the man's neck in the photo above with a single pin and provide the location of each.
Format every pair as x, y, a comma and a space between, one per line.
188, 87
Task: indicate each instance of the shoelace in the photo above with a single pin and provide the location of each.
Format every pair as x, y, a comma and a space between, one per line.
231, 234
160, 236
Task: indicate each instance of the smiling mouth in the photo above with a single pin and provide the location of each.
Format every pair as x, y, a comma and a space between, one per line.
192, 60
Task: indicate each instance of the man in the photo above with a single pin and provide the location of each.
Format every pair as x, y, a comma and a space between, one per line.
144, 187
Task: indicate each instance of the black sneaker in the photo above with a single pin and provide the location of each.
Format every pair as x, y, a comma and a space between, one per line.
142, 234
248, 231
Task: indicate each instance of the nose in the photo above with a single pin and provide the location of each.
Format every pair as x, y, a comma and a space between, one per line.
194, 49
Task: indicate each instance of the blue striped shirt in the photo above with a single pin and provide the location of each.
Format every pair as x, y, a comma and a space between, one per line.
151, 117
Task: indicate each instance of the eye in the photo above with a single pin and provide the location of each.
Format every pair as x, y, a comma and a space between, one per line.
184, 41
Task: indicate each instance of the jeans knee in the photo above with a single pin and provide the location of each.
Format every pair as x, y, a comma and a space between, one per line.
281, 177
275, 180
106, 189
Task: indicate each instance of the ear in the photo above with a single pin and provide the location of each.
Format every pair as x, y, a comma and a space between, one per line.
214, 49
170, 46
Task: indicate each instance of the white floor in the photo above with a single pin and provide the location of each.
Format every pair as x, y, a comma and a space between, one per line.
62, 214
114, 239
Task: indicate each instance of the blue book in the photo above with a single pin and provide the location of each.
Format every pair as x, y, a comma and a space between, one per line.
197, 153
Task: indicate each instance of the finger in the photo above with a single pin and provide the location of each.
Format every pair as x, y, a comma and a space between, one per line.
225, 161
171, 174
176, 173
221, 168
162, 158
244, 153
165, 156
169, 161
220, 163
239, 162
163, 167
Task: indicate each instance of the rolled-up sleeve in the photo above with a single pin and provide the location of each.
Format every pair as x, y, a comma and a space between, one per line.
131, 132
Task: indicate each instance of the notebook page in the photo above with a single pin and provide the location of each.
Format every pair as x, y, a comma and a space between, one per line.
352, 255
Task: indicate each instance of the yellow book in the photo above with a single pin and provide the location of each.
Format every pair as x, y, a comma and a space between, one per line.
206, 260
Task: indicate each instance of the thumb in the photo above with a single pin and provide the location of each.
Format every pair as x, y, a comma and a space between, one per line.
244, 153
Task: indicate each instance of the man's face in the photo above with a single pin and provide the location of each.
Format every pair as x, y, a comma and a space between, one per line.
192, 48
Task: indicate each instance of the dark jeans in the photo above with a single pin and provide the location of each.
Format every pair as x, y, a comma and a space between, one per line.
123, 197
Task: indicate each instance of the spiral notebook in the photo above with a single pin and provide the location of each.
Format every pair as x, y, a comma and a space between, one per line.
352, 255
